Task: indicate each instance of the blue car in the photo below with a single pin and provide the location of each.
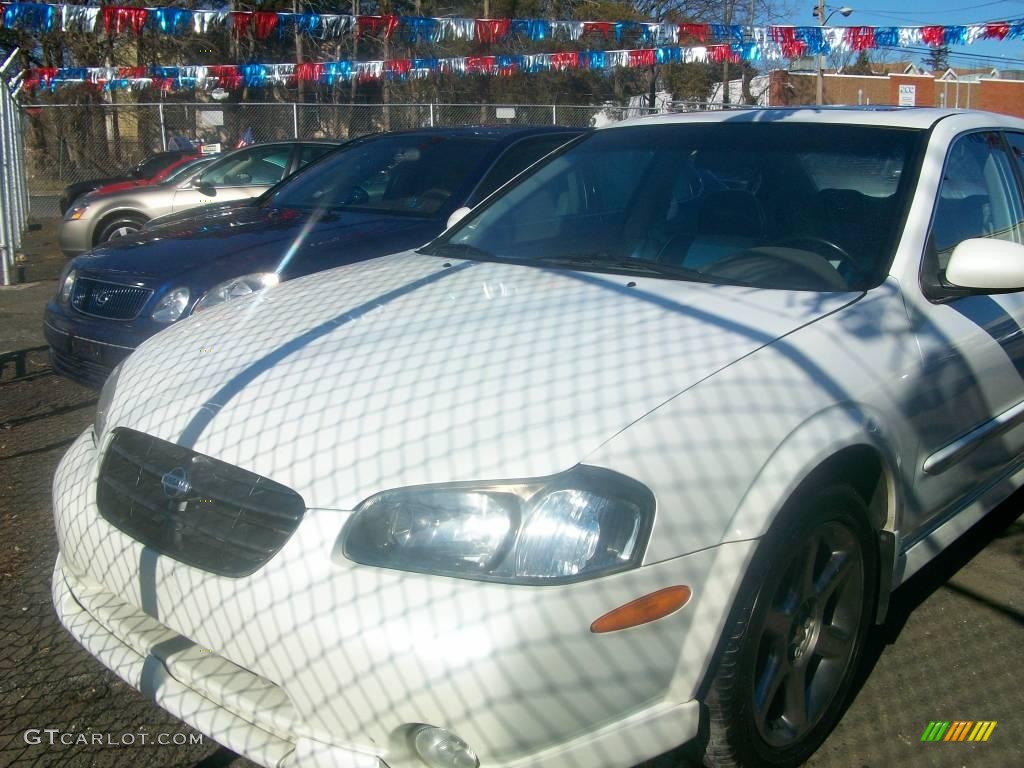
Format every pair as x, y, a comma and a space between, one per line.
371, 197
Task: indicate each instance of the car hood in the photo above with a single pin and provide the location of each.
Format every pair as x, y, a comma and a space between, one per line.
121, 186
227, 242
210, 209
413, 369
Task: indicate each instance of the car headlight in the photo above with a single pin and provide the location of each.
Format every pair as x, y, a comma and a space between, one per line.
171, 306
576, 525
99, 422
75, 212
236, 288
67, 284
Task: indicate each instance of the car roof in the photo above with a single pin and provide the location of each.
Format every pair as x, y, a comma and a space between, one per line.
881, 116
288, 142
494, 132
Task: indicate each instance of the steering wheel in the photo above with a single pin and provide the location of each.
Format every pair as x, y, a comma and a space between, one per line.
799, 241
810, 262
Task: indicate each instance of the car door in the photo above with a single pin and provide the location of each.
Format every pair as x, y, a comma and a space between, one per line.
972, 344
246, 173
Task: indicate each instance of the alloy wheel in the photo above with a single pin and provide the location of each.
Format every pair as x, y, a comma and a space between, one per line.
808, 635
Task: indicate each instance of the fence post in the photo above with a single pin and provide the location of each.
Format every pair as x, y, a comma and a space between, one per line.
554, 116
6, 234
10, 225
431, 114
20, 208
163, 128
295, 118
22, 172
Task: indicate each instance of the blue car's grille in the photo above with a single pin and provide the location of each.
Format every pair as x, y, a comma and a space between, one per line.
113, 300
194, 508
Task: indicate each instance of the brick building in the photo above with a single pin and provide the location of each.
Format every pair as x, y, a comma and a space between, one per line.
989, 89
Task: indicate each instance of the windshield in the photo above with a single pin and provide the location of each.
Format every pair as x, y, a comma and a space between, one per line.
403, 174
185, 170
797, 206
151, 166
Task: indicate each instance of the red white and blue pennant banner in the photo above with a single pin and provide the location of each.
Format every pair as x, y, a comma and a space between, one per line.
234, 76
772, 41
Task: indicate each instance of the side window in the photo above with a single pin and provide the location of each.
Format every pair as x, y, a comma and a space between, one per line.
311, 152
516, 159
978, 197
259, 165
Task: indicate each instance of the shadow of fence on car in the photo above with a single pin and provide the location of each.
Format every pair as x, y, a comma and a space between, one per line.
455, 663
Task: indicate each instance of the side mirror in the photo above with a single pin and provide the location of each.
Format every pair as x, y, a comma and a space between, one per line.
985, 264
457, 215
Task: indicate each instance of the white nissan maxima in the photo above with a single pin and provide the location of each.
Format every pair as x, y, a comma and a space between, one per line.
635, 451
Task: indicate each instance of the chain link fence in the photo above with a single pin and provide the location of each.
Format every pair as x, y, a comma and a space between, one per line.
14, 201
68, 143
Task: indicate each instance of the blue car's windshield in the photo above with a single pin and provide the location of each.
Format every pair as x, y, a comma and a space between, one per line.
800, 206
405, 174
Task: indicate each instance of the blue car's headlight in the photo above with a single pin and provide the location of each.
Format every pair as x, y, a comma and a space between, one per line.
67, 284
576, 525
236, 288
171, 306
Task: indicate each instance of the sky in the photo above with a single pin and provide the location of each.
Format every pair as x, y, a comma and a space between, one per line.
1006, 54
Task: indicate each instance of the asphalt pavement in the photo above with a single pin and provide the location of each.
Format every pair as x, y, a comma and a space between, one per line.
951, 650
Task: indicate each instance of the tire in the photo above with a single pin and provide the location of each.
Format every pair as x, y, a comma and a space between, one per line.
795, 637
118, 226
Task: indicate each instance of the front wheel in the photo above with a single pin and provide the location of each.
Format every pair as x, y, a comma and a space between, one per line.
795, 637
120, 227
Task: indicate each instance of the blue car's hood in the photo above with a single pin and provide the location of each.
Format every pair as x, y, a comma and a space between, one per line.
239, 240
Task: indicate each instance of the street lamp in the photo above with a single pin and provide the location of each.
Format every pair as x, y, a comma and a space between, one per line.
823, 20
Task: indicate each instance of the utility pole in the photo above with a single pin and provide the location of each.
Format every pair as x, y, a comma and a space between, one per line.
725, 62
355, 50
298, 54
821, 57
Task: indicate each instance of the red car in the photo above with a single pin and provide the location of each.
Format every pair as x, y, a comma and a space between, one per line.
143, 171
161, 175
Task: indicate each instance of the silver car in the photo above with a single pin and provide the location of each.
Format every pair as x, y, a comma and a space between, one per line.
247, 172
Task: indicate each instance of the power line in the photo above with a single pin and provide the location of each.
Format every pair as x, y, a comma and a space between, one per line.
952, 54
887, 12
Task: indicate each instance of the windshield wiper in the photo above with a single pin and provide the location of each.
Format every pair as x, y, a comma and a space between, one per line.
458, 251
633, 266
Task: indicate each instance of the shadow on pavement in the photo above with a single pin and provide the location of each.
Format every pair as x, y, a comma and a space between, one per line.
937, 574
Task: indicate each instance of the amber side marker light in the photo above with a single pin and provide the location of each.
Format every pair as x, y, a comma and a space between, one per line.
644, 609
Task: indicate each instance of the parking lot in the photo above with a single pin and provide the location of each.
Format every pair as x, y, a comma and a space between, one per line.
952, 648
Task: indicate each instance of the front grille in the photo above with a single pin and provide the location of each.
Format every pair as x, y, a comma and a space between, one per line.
198, 510
113, 300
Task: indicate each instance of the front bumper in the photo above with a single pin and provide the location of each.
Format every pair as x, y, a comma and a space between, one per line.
316, 661
86, 349
74, 237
